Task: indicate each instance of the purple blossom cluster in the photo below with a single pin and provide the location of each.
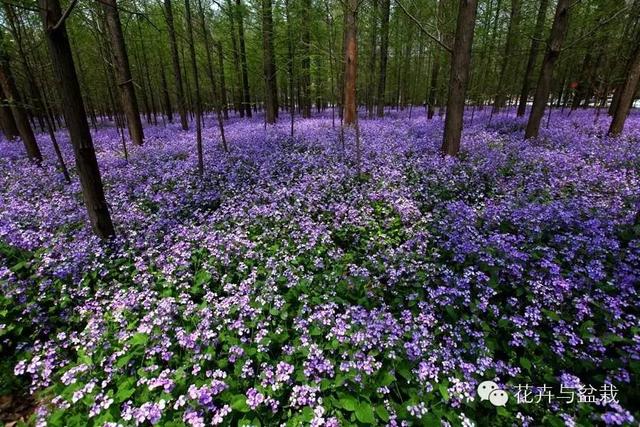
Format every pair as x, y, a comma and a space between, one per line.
281, 279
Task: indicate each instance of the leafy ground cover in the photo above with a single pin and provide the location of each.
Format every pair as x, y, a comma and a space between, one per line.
284, 288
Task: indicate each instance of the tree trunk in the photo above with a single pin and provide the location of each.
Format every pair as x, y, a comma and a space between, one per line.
459, 76
9, 127
269, 63
384, 56
18, 111
350, 62
75, 116
223, 86
123, 71
175, 60
509, 49
627, 93
533, 55
246, 94
166, 100
196, 101
554, 47
305, 72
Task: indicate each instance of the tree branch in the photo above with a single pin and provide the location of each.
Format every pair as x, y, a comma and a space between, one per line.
65, 15
421, 27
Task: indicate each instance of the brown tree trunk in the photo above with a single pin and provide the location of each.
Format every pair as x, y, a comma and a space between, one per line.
123, 71
384, 56
75, 116
509, 48
533, 55
269, 63
196, 101
305, 72
166, 100
9, 127
350, 62
17, 106
554, 47
175, 60
459, 76
371, 74
627, 94
216, 98
246, 94
223, 86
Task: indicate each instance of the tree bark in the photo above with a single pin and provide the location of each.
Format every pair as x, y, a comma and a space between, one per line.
175, 60
75, 116
223, 86
196, 101
554, 47
9, 127
350, 62
269, 63
533, 55
166, 99
16, 105
384, 56
246, 94
509, 48
459, 76
305, 72
627, 94
123, 71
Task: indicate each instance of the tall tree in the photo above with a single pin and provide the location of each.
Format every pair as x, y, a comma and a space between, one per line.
196, 82
269, 63
9, 127
246, 94
385, 7
123, 71
305, 71
350, 61
509, 48
627, 93
175, 61
76, 119
533, 55
16, 104
459, 76
554, 47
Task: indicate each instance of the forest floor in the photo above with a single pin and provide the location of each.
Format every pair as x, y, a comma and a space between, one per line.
283, 287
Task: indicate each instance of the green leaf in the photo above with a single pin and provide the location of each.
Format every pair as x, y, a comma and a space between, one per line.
139, 339
382, 413
239, 403
349, 403
364, 413
525, 363
125, 390
443, 391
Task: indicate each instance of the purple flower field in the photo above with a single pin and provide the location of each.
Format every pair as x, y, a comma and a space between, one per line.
282, 288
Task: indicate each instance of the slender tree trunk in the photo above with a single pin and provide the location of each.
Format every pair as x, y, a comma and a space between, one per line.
269, 63
627, 94
223, 86
73, 109
305, 73
371, 73
384, 56
509, 48
123, 71
9, 127
246, 94
194, 70
17, 106
166, 99
175, 60
554, 47
459, 76
216, 98
533, 55
350, 62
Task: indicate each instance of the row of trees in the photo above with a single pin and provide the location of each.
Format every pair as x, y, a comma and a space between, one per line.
129, 57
